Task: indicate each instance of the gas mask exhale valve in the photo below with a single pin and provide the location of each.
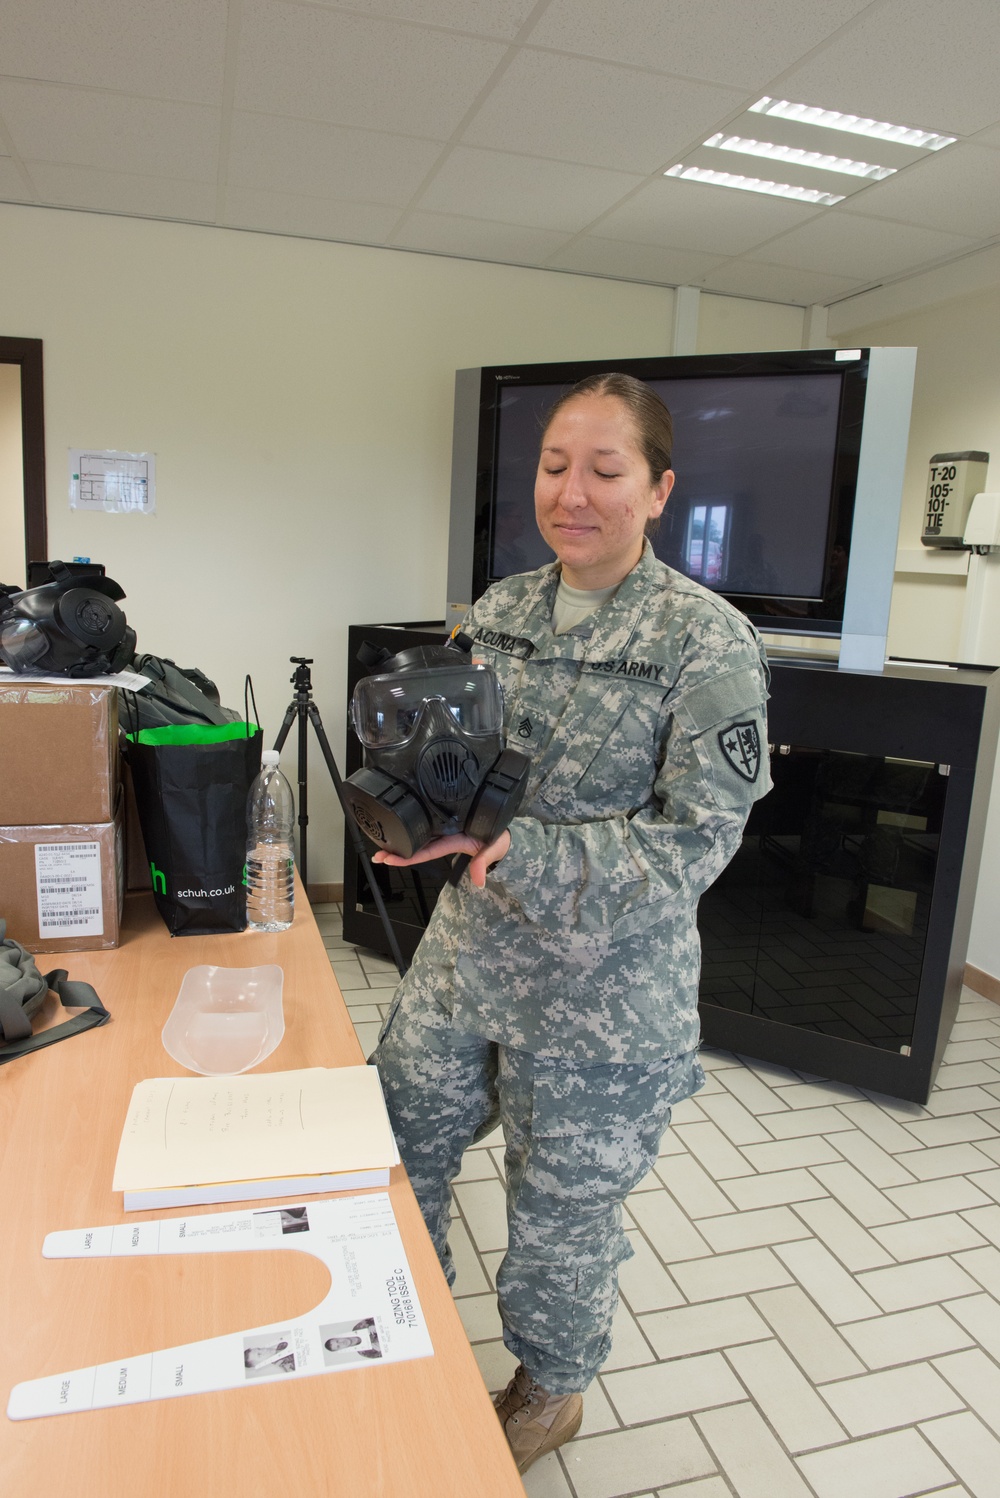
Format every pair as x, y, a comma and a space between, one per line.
431, 723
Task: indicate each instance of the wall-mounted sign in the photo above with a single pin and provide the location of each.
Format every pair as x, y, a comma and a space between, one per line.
954, 481
111, 481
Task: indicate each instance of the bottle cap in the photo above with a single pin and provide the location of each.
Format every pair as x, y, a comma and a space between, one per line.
269, 756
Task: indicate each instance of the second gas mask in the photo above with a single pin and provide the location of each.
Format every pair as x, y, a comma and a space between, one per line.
431, 723
70, 626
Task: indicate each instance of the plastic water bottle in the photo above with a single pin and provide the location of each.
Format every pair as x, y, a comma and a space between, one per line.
270, 856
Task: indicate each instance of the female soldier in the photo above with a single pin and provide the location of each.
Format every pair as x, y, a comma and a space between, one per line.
555, 990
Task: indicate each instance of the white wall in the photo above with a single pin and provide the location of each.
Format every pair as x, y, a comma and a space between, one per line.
728, 324
956, 406
11, 477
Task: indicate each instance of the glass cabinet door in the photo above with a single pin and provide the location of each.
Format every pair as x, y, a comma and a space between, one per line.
821, 919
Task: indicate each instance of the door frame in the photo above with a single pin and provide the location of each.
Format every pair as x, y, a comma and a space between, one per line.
27, 352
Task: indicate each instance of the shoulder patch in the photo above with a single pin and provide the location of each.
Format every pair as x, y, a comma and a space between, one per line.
740, 745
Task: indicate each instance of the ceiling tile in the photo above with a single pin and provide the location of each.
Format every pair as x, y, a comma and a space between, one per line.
309, 63
913, 62
692, 216
12, 185
502, 18
82, 127
344, 108
523, 189
448, 234
593, 112
174, 51
776, 283
957, 190
120, 192
315, 218
319, 160
724, 41
847, 244
634, 262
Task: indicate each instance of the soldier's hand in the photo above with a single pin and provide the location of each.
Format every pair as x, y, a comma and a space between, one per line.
483, 855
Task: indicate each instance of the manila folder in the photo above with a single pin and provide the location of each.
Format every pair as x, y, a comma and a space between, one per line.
192, 1131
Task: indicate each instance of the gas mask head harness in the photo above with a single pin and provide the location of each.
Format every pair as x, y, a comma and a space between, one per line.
68, 626
431, 723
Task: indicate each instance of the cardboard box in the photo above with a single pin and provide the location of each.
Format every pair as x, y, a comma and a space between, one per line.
62, 889
59, 752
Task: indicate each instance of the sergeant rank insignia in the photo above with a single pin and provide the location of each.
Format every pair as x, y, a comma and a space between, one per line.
740, 745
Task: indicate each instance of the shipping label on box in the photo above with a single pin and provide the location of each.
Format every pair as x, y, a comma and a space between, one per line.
68, 886
62, 889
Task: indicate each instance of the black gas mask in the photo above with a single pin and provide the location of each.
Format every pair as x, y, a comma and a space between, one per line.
71, 626
431, 722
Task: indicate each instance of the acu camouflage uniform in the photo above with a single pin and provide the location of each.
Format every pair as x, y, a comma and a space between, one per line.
561, 1000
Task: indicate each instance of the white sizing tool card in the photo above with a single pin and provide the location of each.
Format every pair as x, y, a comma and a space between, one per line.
370, 1315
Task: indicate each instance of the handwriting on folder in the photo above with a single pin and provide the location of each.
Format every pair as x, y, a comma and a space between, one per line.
196, 1130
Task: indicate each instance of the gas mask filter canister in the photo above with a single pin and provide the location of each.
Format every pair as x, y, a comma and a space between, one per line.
431, 723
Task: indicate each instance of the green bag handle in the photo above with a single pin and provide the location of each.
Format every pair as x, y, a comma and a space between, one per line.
22, 992
194, 733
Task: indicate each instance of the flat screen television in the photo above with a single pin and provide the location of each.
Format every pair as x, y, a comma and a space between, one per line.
789, 476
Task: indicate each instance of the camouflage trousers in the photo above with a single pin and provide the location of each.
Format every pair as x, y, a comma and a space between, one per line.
577, 1138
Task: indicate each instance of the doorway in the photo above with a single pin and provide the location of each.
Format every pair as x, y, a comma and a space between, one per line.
23, 531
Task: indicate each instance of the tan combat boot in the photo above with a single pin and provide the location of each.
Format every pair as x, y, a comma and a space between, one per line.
534, 1421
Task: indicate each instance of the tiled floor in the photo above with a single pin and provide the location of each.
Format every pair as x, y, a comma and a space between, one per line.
813, 1310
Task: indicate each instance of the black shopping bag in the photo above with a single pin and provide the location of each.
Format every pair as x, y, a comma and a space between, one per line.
191, 786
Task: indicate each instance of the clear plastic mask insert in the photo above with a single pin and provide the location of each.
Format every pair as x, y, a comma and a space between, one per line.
226, 1019
386, 710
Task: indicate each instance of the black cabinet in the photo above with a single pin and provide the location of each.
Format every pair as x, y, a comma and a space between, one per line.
409, 894
835, 942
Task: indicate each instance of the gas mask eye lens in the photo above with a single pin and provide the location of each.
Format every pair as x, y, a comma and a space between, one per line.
386, 711
22, 644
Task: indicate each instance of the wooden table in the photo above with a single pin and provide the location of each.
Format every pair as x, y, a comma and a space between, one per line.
400, 1431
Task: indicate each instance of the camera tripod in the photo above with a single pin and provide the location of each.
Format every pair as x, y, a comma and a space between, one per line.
303, 710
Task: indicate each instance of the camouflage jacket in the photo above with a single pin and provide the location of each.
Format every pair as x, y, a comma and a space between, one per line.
646, 728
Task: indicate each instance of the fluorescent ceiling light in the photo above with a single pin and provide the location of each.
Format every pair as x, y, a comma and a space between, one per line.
799, 157
754, 184
829, 119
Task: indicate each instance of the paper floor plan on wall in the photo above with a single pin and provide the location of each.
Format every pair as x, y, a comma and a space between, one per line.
370, 1315
115, 482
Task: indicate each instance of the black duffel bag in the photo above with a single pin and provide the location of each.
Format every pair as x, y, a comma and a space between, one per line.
175, 694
